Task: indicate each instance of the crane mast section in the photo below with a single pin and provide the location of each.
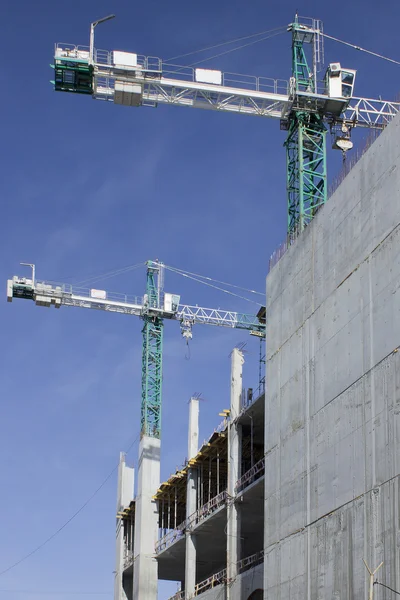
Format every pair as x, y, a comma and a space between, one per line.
52, 294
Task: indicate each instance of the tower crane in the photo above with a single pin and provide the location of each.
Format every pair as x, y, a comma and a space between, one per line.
155, 306
307, 109
305, 106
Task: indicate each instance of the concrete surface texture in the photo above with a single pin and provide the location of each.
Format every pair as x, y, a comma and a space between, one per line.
332, 424
233, 512
191, 497
125, 494
146, 520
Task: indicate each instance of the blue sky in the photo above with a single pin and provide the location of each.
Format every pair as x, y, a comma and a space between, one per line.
88, 187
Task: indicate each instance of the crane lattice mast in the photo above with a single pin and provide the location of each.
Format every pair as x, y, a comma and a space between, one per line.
306, 141
152, 332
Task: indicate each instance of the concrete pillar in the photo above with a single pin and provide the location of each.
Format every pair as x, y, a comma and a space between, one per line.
191, 498
145, 575
124, 497
234, 464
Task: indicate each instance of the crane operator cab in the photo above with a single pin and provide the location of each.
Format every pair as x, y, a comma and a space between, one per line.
339, 86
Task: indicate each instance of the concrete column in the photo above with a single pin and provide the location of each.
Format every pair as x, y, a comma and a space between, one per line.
124, 497
145, 574
234, 463
191, 498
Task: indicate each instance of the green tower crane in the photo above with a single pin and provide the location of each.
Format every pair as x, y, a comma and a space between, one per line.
306, 107
153, 308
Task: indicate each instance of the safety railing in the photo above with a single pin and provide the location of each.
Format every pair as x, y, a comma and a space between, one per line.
171, 537
282, 249
219, 429
178, 596
128, 559
51, 288
250, 561
206, 510
220, 578
233, 80
153, 64
104, 58
210, 582
251, 475
194, 519
250, 396
71, 51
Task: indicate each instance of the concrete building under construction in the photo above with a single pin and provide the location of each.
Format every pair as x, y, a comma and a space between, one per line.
301, 482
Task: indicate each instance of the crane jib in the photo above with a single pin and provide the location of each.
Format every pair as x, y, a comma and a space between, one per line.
61, 294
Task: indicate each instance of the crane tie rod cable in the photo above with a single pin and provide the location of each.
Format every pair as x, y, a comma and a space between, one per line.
113, 273
238, 287
212, 286
330, 37
239, 39
179, 68
237, 48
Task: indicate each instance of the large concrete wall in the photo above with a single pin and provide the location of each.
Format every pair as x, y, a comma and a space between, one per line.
332, 424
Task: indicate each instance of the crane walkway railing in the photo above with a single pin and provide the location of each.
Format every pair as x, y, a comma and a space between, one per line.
251, 475
68, 290
152, 64
220, 578
192, 521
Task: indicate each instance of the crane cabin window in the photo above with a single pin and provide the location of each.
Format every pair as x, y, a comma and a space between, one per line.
347, 84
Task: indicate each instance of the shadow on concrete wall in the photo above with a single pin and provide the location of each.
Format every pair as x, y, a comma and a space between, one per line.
256, 595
